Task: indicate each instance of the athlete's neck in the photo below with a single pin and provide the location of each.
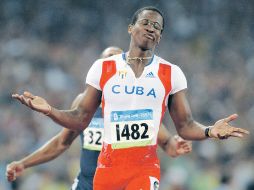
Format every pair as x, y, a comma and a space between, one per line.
138, 56
139, 53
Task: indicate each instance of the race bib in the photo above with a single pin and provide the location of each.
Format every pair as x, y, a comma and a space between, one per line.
132, 128
93, 135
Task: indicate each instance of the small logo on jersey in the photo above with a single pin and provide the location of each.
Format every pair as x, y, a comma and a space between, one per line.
150, 75
156, 185
122, 74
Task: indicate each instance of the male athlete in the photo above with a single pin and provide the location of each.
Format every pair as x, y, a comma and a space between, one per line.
135, 88
91, 139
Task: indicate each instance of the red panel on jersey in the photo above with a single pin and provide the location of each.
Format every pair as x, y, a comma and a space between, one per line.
164, 74
108, 70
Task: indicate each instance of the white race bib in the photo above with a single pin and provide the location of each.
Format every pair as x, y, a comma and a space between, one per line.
93, 135
132, 128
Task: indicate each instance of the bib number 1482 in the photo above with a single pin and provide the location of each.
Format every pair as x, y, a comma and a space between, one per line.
132, 131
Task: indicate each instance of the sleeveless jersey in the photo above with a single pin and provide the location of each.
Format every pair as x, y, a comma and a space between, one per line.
133, 107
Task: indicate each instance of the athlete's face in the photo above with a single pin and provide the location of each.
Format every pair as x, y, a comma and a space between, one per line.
146, 32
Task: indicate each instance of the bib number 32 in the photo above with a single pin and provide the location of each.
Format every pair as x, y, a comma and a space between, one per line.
93, 138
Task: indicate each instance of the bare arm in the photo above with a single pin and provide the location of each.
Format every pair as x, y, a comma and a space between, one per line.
75, 119
49, 151
173, 145
189, 129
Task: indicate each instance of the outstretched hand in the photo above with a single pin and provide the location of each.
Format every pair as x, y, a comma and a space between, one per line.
34, 102
223, 130
182, 146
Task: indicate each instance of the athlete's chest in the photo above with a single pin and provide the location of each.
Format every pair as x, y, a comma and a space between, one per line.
125, 86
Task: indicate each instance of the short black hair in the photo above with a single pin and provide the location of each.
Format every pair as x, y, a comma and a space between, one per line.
148, 8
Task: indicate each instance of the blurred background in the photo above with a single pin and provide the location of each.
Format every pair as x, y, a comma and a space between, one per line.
47, 47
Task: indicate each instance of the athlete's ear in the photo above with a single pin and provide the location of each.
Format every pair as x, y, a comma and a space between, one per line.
130, 28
